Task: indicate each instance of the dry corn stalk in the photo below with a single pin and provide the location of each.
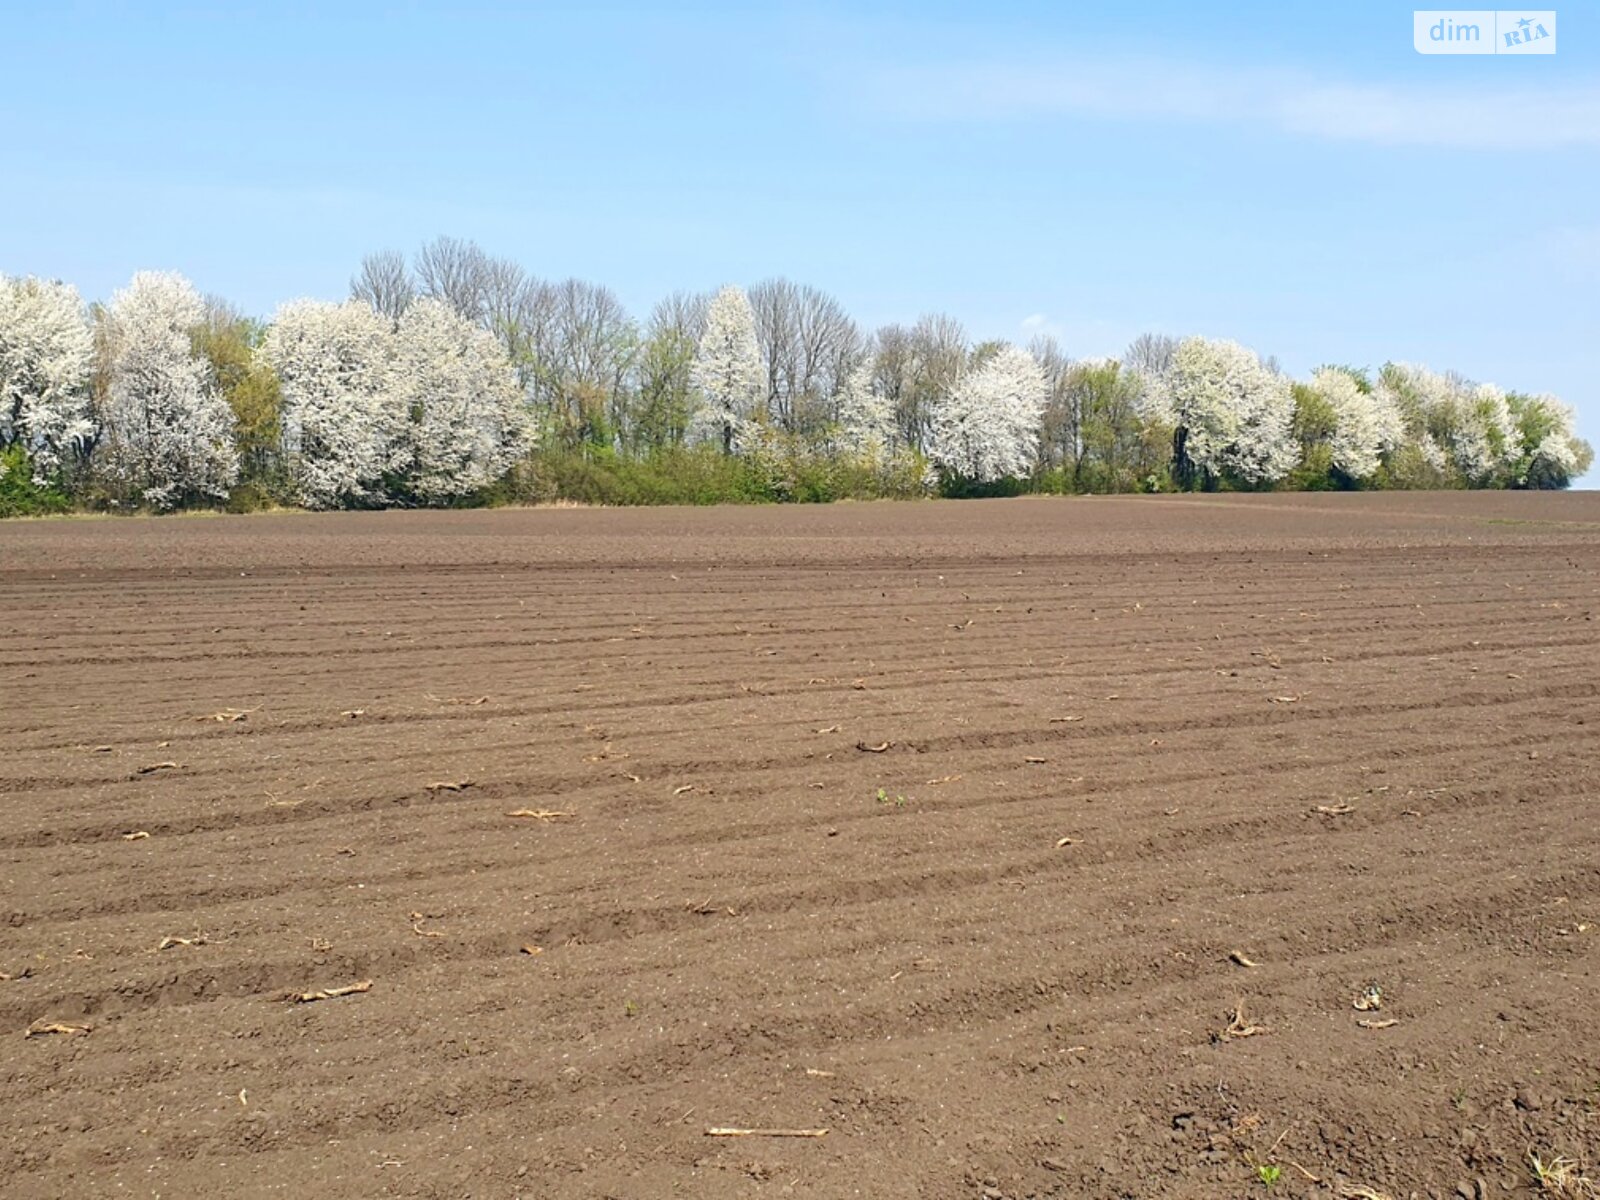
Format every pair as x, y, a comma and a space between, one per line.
228, 716
1239, 1027
416, 927
46, 1028
349, 989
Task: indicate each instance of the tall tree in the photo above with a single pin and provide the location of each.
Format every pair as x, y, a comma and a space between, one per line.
727, 371
987, 428
343, 419
46, 354
866, 417
665, 396
467, 422
1232, 417
809, 345
1362, 426
230, 342
168, 432
585, 348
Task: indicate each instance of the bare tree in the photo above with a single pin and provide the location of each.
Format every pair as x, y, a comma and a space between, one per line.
937, 353
456, 272
385, 283
809, 346
1059, 428
584, 349
1150, 354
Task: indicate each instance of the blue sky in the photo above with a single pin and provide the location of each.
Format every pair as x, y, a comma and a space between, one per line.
1293, 176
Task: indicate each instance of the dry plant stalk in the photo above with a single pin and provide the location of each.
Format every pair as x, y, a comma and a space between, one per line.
450, 785
46, 1028
943, 779
530, 949
138, 835
1388, 1023
1240, 1027
228, 716
469, 700
1239, 957
167, 943
1066, 841
151, 768
724, 1131
684, 789
1066, 720
829, 729
1334, 810
1356, 1191
540, 814
416, 927
349, 989
1034, 758
878, 749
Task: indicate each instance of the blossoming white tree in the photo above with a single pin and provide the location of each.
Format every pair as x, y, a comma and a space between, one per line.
986, 428
466, 419
1460, 427
343, 424
168, 433
1231, 415
46, 351
727, 371
1551, 451
866, 417
1367, 423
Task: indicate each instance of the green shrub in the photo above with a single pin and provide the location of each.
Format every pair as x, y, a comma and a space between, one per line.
19, 495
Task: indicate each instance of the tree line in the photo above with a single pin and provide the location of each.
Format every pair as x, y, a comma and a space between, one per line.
457, 378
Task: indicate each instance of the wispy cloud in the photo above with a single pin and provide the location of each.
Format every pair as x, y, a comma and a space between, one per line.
1505, 117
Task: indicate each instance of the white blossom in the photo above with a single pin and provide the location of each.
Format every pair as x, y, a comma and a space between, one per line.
467, 423
727, 371
1460, 426
169, 434
866, 418
1552, 452
1233, 415
46, 352
987, 427
343, 423
1367, 424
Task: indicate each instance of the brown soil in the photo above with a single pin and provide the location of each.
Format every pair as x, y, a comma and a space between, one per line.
1349, 739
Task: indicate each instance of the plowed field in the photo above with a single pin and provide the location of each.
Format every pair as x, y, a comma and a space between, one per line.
1029, 848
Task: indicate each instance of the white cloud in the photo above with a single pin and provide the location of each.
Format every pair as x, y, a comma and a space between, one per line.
1498, 117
